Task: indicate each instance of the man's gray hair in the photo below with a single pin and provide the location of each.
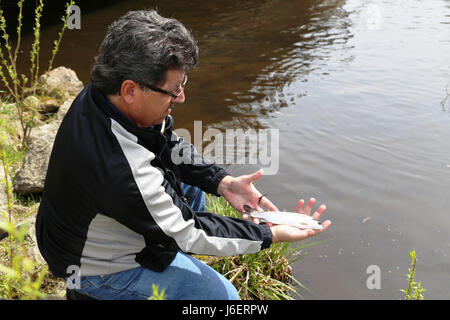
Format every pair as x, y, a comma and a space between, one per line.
141, 46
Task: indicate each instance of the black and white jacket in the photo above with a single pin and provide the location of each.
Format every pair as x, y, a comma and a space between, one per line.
112, 199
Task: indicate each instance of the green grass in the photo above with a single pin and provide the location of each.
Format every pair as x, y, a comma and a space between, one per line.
13, 156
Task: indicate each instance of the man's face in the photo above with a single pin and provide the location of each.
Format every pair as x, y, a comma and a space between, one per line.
152, 107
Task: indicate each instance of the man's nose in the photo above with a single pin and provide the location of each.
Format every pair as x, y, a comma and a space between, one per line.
180, 98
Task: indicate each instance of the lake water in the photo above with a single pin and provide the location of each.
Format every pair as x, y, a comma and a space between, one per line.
357, 92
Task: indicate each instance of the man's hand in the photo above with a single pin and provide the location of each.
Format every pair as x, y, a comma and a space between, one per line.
240, 191
285, 233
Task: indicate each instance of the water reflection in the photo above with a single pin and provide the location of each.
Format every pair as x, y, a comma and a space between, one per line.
250, 53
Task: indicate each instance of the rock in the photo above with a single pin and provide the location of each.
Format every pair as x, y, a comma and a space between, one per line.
61, 79
48, 105
33, 249
63, 109
31, 176
43, 105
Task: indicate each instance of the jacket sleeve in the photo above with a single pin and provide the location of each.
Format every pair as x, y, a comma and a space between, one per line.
139, 197
194, 168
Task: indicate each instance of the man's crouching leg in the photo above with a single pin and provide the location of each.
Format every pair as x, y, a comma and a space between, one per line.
186, 278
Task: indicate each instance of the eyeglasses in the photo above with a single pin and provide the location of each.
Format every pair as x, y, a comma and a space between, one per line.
175, 94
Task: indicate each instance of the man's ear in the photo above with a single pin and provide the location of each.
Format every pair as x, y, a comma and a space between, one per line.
128, 91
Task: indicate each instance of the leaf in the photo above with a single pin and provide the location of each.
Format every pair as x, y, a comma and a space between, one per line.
7, 226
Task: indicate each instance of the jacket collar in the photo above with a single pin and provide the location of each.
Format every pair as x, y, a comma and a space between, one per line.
150, 137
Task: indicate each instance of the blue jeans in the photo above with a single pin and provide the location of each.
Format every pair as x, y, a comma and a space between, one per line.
186, 278
195, 197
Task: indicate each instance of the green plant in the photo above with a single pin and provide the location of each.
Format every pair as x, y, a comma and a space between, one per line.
57, 42
18, 84
414, 291
12, 156
156, 294
20, 277
263, 275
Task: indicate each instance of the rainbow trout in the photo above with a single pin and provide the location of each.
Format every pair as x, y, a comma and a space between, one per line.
295, 219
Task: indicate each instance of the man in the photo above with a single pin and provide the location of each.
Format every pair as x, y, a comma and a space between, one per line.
115, 205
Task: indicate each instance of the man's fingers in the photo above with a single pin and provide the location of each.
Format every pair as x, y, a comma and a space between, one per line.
309, 205
268, 204
312, 232
325, 224
307, 209
300, 205
253, 177
319, 212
